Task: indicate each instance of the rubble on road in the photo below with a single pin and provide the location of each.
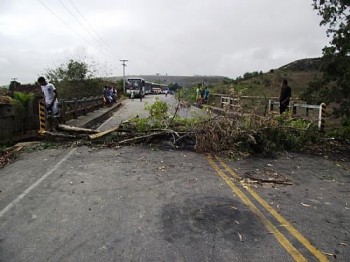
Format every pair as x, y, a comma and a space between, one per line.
7, 155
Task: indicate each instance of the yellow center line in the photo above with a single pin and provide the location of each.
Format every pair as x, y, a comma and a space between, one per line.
306, 243
297, 256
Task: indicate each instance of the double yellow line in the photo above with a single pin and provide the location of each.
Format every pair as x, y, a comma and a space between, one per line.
297, 256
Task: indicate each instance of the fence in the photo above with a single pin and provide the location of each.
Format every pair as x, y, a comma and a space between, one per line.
293, 108
229, 102
244, 104
240, 104
12, 125
72, 109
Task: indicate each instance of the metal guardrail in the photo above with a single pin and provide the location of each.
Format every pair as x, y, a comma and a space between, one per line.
233, 104
229, 102
293, 107
72, 109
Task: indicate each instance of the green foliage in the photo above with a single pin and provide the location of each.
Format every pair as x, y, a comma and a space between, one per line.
71, 71
286, 133
158, 110
79, 89
249, 75
174, 86
21, 102
185, 124
341, 133
334, 86
119, 86
187, 94
251, 133
158, 117
143, 124
75, 80
223, 88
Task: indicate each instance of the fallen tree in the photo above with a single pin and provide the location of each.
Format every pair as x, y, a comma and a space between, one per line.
231, 134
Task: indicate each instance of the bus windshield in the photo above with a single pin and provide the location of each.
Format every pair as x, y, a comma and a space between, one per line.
134, 83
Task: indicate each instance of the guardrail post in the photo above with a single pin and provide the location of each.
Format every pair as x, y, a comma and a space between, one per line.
42, 116
270, 106
100, 102
321, 116
294, 109
85, 106
75, 113
63, 111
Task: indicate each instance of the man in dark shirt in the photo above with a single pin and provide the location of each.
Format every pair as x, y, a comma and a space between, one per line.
285, 95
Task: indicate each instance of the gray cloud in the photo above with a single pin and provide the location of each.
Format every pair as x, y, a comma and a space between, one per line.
226, 37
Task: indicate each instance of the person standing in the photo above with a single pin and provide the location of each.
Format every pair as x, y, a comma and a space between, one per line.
51, 102
114, 94
142, 89
206, 95
132, 94
106, 95
110, 94
285, 95
198, 95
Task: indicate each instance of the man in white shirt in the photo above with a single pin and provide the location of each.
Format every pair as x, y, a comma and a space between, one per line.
50, 95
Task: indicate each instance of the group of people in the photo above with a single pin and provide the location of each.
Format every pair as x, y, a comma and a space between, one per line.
202, 95
110, 94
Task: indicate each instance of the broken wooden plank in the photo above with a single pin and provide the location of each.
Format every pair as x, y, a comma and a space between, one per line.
103, 133
75, 129
140, 137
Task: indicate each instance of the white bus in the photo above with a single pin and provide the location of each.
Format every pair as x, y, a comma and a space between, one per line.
137, 85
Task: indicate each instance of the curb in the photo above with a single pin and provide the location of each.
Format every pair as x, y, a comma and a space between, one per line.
92, 123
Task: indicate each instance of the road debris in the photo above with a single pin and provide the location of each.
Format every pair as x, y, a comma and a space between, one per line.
305, 205
329, 254
266, 176
7, 155
240, 237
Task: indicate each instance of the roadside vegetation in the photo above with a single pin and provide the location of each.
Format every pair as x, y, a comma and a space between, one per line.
76, 79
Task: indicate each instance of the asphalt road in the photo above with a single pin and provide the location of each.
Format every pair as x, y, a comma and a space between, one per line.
132, 108
146, 204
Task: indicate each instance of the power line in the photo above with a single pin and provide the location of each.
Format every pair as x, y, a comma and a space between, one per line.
90, 26
83, 26
71, 28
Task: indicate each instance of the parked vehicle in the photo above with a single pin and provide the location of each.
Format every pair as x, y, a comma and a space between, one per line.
137, 85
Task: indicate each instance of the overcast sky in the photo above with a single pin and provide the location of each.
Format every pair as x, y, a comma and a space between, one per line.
174, 37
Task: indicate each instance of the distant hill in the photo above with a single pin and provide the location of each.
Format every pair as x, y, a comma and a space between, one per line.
298, 73
306, 64
184, 81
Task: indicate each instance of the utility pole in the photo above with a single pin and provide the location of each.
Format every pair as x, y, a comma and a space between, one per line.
14, 81
124, 65
158, 78
14, 85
